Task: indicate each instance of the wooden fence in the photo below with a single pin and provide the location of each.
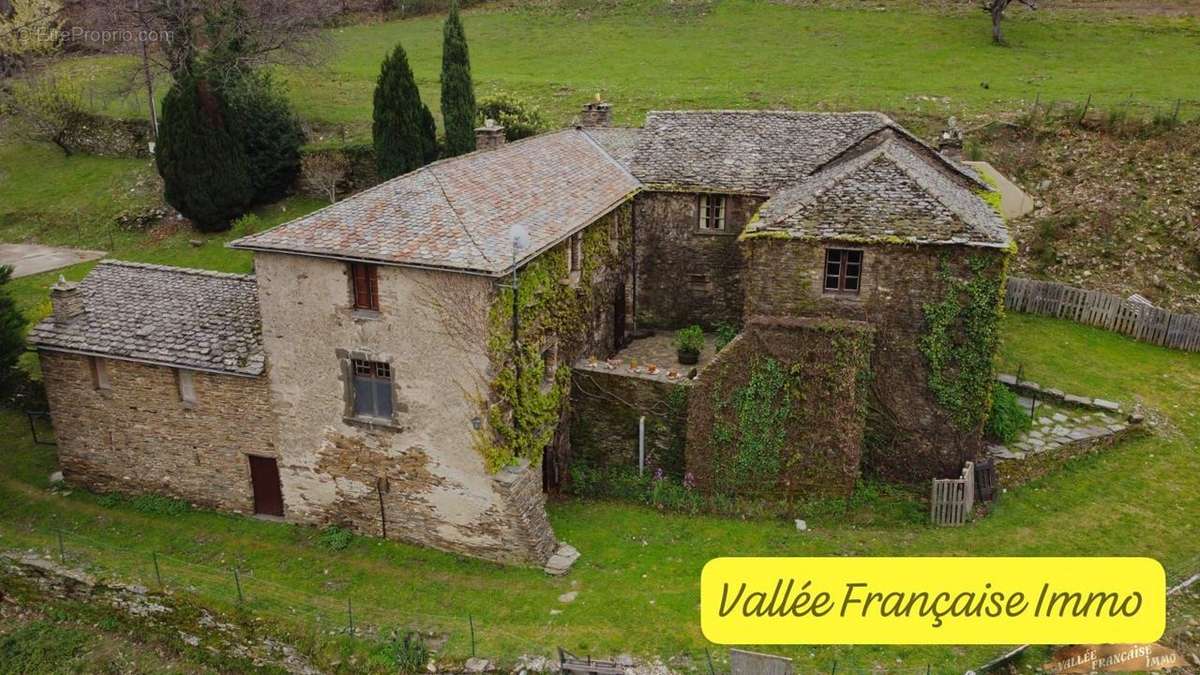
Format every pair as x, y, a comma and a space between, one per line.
953, 498
1103, 310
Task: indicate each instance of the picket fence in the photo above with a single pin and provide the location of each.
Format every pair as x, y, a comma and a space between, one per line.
1096, 308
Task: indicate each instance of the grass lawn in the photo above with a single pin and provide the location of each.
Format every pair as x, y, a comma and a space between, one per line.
646, 54
638, 577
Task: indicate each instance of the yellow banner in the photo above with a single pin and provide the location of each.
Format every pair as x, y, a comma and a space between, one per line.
932, 600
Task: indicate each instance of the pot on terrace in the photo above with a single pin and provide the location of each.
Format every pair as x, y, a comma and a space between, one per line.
688, 358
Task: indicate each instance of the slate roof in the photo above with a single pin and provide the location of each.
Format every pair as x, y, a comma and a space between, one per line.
171, 316
743, 151
458, 213
893, 188
619, 142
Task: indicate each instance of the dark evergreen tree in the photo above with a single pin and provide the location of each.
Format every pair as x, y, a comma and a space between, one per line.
204, 169
269, 133
458, 94
12, 338
405, 138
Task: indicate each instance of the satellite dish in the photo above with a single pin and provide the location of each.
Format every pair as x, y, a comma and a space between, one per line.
519, 237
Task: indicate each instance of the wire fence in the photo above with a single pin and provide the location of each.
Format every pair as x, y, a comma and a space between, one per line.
343, 614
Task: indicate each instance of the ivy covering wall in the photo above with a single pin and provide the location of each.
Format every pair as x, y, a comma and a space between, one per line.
780, 412
556, 312
962, 334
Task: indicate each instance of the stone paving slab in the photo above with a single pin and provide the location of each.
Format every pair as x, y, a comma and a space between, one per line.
29, 259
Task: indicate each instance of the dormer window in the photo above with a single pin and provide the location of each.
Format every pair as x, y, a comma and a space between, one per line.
364, 286
712, 213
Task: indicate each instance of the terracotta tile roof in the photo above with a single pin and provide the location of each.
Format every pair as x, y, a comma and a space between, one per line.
458, 213
743, 151
888, 188
171, 316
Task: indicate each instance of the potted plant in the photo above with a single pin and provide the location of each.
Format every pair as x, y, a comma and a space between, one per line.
688, 343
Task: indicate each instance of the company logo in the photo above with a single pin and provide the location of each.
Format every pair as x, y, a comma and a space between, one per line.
1112, 659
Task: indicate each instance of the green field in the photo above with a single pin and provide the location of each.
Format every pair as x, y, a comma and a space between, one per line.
741, 54
638, 577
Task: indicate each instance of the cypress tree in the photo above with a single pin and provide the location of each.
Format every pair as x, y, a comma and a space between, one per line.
458, 94
203, 166
403, 126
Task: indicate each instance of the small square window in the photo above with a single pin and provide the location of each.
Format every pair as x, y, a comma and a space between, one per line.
98, 368
843, 270
712, 213
372, 389
364, 286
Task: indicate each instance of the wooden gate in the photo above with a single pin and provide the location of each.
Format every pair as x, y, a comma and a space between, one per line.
953, 499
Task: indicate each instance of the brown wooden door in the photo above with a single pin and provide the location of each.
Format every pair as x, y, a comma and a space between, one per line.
268, 495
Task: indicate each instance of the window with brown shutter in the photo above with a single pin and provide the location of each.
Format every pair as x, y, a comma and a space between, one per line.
365, 286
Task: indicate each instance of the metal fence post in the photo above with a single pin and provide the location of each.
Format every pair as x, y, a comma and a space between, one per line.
62, 550
238, 582
157, 573
350, 615
471, 623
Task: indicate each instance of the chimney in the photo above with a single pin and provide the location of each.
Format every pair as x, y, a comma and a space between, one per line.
596, 113
950, 143
66, 300
489, 136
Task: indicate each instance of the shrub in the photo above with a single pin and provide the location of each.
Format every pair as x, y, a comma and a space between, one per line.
160, 506
336, 538
203, 166
689, 340
725, 332
519, 118
1007, 418
408, 654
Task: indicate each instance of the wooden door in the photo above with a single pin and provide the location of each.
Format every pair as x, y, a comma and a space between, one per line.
264, 477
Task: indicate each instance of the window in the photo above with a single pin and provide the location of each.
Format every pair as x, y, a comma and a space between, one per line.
575, 252
372, 389
712, 212
99, 370
187, 387
843, 270
364, 281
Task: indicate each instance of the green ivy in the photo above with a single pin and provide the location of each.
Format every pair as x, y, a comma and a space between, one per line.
760, 412
526, 404
962, 333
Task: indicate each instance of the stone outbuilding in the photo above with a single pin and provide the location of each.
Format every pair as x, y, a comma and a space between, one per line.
399, 361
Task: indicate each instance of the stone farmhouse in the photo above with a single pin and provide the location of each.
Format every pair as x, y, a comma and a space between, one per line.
398, 365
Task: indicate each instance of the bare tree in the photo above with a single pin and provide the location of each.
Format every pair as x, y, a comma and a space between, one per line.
996, 9
48, 109
324, 173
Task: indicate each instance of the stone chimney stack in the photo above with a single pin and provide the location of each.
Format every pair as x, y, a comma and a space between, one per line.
66, 300
489, 136
950, 143
596, 113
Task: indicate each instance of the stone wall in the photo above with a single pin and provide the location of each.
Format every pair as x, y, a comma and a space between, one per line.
107, 137
911, 437
606, 406
420, 472
803, 439
687, 276
137, 436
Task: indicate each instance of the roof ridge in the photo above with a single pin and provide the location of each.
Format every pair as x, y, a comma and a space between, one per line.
787, 111
178, 270
932, 191
837, 173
